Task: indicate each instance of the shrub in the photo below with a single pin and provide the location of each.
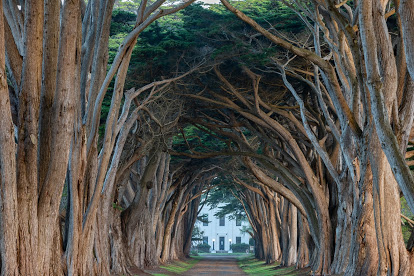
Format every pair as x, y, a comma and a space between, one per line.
239, 247
194, 253
251, 242
203, 247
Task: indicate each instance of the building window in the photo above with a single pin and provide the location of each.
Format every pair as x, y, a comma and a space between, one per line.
238, 222
222, 221
205, 221
238, 240
205, 240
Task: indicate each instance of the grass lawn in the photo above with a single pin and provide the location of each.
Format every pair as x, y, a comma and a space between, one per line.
252, 266
177, 267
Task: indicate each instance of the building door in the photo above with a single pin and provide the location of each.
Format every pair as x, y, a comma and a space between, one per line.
221, 243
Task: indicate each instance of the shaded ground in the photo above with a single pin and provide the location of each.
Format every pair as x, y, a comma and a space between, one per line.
226, 264
175, 268
208, 264
258, 267
216, 265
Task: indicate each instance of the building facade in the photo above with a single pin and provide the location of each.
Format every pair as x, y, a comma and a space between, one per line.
221, 232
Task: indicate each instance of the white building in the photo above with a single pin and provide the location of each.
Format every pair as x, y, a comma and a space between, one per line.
220, 233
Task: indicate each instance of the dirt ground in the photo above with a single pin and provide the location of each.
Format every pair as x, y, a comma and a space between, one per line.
216, 265
211, 265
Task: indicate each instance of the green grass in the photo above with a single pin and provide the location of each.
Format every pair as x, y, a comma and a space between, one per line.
179, 266
253, 266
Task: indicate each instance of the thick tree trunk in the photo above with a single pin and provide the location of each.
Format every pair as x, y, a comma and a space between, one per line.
274, 229
8, 186
166, 243
289, 234
63, 117
293, 236
120, 261
363, 248
190, 219
138, 234
285, 232
321, 260
393, 256
303, 244
27, 165
50, 68
343, 227
259, 246
137, 220
56, 266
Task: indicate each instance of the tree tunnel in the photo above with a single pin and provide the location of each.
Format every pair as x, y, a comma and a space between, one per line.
119, 119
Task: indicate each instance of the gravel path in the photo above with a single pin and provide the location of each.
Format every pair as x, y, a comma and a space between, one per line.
214, 265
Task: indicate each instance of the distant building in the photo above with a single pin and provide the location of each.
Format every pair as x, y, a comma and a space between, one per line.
221, 231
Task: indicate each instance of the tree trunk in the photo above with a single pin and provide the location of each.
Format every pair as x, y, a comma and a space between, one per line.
8, 187
285, 231
303, 244
393, 256
293, 236
344, 225
141, 243
274, 230
63, 118
27, 165
190, 219
363, 248
166, 244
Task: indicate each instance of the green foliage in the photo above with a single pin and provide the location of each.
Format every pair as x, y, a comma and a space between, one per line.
246, 229
158, 49
203, 247
127, 5
122, 22
197, 234
194, 253
203, 218
199, 139
405, 209
273, 13
117, 207
252, 242
223, 194
197, 32
406, 227
192, 34
239, 247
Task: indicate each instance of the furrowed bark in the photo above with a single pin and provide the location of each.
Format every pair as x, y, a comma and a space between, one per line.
8, 185
62, 133
27, 164
49, 69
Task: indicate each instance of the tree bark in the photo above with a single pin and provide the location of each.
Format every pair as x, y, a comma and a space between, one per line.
27, 164
8, 185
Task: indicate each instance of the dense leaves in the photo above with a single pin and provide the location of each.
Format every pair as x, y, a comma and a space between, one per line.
240, 247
